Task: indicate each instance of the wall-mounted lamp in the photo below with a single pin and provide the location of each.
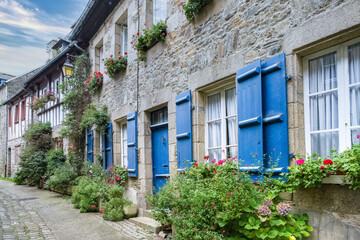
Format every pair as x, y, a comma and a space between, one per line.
68, 67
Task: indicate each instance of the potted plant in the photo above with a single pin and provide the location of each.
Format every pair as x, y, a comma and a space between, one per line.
94, 82
193, 7
114, 65
150, 36
50, 96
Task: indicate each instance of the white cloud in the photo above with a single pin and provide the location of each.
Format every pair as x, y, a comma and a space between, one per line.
21, 59
14, 14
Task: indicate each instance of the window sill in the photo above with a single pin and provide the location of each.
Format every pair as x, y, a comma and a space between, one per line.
336, 179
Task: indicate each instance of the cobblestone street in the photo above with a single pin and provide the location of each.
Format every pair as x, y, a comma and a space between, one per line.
30, 213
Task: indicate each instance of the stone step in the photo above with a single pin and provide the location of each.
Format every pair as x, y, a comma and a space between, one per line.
146, 213
147, 223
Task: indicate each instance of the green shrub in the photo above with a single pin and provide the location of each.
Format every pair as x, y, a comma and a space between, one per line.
114, 203
88, 193
217, 202
63, 177
55, 158
38, 137
32, 167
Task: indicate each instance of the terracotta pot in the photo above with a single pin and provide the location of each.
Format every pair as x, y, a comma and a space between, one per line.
52, 98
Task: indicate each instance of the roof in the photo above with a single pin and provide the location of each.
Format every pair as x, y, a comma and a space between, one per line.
93, 16
5, 76
59, 43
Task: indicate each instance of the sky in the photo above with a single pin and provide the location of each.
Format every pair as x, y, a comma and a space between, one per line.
26, 26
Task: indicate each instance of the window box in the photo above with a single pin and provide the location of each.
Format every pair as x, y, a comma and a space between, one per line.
336, 179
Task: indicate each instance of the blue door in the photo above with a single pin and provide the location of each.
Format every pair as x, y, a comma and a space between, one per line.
90, 146
107, 147
160, 148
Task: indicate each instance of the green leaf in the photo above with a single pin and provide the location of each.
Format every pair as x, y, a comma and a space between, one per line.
252, 220
304, 233
273, 233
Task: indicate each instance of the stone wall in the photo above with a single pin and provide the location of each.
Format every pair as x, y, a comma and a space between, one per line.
206, 53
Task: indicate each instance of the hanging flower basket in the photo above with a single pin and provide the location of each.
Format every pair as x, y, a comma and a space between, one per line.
50, 96
114, 65
94, 83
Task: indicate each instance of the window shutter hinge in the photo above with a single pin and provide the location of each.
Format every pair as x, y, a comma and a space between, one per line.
291, 155
192, 107
288, 77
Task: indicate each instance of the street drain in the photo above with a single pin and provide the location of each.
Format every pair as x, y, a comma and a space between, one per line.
27, 199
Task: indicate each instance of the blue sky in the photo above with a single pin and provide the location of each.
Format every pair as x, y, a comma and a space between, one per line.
26, 26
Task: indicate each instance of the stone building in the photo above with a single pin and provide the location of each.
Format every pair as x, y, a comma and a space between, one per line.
293, 63
9, 86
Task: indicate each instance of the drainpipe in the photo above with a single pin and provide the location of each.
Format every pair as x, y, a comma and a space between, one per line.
138, 63
6, 132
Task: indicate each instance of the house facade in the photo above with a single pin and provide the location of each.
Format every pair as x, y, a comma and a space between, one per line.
244, 79
19, 114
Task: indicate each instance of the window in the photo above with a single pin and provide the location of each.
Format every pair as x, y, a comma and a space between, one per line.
159, 11
124, 159
221, 124
10, 118
17, 113
101, 57
332, 99
23, 110
124, 38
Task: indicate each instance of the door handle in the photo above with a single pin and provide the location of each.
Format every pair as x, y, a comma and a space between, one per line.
163, 139
165, 165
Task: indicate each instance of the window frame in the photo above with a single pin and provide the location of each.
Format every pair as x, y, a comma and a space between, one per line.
223, 118
342, 71
23, 110
10, 117
154, 11
124, 149
124, 28
17, 115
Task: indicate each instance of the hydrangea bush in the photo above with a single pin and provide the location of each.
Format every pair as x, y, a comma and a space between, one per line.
217, 201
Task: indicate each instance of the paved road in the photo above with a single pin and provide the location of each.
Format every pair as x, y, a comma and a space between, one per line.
30, 213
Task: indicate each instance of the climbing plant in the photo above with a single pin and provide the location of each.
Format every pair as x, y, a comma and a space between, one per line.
94, 116
74, 102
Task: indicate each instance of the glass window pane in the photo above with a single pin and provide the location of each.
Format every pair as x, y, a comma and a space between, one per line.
159, 10
124, 40
101, 57
231, 130
322, 143
354, 63
214, 134
232, 152
322, 75
215, 154
355, 105
124, 145
324, 111
214, 107
230, 98
355, 136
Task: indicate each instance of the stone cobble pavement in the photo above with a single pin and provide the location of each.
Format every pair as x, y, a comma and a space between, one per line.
19, 221
30, 213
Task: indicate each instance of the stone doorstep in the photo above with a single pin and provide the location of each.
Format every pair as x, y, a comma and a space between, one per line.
147, 223
145, 213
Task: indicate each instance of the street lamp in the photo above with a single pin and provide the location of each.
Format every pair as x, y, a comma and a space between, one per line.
68, 68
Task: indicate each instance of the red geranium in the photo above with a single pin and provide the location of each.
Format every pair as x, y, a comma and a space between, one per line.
322, 167
327, 162
195, 165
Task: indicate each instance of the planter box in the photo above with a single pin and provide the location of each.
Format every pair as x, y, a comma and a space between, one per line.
336, 179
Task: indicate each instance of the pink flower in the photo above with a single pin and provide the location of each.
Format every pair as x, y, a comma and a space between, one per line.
101, 210
117, 172
93, 206
111, 55
219, 214
300, 161
86, 90
99, 83
358, 136
213, 161
112, 181
112, 170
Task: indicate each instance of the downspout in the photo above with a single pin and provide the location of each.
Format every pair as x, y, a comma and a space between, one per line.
77, 46
138, 63
6, 132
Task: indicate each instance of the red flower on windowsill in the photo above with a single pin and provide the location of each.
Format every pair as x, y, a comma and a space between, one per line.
328, 161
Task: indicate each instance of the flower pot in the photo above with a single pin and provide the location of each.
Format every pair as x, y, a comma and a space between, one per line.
52, 98
35, 108
130, 211
336, 179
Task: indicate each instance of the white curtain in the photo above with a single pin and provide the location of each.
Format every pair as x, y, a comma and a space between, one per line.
354, 77
214, 127
230, 101
101, 57
124, 145
323, 106
159, 10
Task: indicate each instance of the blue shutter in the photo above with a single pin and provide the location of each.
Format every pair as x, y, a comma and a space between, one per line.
184, 130
262, 115
132, 144
107, 146
90, 146
249, 101
276, 137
